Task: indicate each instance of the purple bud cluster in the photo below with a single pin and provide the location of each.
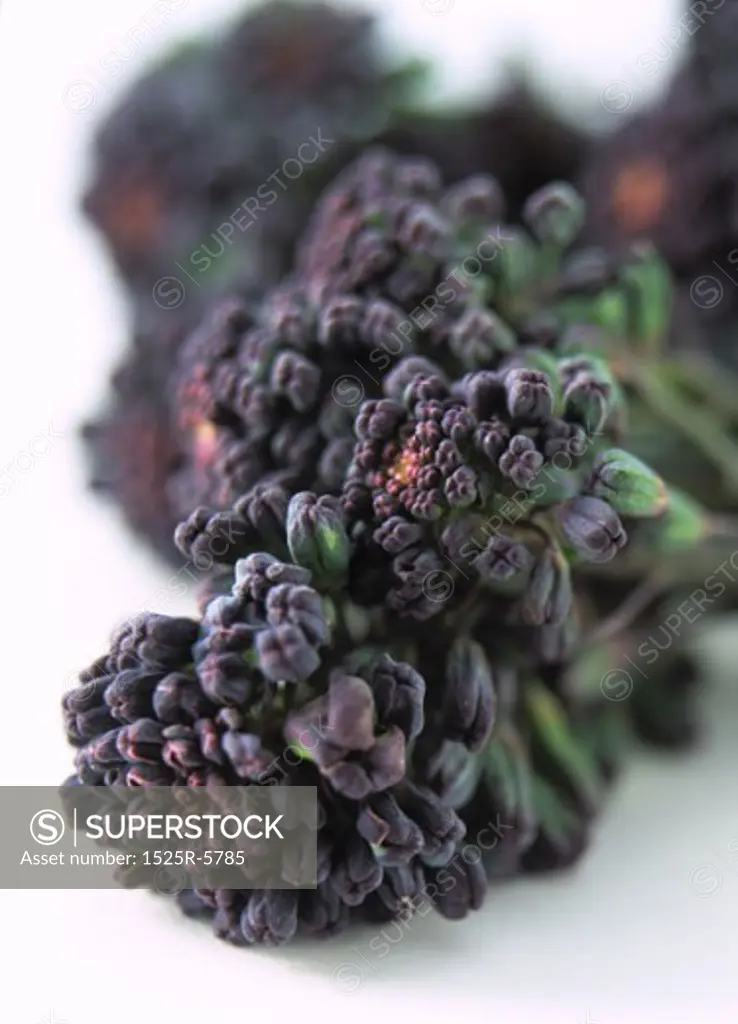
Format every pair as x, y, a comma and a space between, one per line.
279, 683
429, 470
179, 702
398, 472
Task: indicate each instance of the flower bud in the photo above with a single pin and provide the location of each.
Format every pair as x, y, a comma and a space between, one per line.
350, 712
486, 394
285, 655
297, 379
521, 462
477, 198
555, 213
317, 538
469, 706
479, 336
547, 598
502, 559
529, 395
466, 894
592, 528
628, 485
588, 400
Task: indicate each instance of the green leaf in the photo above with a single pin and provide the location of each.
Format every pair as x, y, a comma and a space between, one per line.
454, 774
557, 820
509, 778
605, 733
556, 750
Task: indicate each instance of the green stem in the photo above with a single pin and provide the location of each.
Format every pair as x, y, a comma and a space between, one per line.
624, 616
721, 527
698, 377
698, 425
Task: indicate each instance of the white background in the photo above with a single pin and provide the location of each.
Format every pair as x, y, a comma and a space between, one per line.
624, 938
